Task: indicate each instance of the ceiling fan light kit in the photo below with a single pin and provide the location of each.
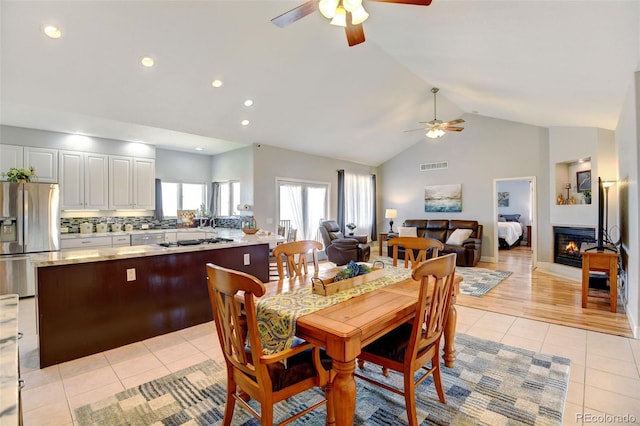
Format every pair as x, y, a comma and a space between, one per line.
436, 128
339, 17
434, 133
349, 14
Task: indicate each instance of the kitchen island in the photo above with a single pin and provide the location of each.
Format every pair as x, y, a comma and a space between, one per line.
89, 301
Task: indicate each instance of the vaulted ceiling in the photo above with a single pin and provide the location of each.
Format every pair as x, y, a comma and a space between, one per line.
545, 63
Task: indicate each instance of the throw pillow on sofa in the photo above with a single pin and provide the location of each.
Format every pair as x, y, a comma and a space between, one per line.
458, 237
407, 231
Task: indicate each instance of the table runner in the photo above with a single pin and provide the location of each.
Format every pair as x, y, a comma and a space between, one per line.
276, 315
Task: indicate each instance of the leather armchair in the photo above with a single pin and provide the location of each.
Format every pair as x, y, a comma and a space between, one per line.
340, 249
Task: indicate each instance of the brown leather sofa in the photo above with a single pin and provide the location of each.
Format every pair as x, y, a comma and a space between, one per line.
468, 254
340, 249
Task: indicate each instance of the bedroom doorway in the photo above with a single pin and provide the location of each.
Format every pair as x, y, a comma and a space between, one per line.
514, 213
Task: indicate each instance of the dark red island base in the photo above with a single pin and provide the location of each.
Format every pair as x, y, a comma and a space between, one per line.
86, 308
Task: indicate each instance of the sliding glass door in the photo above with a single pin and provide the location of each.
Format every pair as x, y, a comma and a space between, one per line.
304, 204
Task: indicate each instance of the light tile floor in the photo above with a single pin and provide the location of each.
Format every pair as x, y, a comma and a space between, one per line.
604, 384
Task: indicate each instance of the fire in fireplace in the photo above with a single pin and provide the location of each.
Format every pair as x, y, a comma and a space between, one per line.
566, 244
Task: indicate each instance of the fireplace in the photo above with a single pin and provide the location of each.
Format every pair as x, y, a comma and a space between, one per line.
566, 244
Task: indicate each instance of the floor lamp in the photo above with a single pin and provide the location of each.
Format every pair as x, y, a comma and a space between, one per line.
390, 214
606, 184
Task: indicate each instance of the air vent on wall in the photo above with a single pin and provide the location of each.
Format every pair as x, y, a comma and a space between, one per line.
434, 166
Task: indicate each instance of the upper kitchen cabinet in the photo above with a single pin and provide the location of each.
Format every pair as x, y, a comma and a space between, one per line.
84, 181
43, 160
11, 157
132, 183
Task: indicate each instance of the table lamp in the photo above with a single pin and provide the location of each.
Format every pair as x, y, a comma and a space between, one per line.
390, 214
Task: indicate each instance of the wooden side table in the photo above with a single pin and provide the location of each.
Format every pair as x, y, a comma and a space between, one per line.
603, 261
528, 235
382, 236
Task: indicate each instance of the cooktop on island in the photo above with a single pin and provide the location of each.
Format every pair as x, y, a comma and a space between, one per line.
196, 242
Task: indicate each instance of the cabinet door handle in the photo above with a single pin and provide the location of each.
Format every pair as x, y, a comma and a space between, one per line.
20, 384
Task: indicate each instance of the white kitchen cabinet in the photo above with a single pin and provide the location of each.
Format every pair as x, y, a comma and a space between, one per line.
84, 181
44, 161
11, 156
87, 242
132, 183
120, 240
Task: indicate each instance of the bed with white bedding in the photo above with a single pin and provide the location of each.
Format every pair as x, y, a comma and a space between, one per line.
509, 234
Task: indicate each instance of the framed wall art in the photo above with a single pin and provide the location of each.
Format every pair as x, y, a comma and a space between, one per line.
583, 180
503, 199
443, 198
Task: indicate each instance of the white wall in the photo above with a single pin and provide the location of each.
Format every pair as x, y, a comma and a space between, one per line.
628, 140
178, 166
271, 163
568, 145
10, 135
487, 149
236, 165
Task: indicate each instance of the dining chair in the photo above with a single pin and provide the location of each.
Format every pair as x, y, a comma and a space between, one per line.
295, 255
267, 379
407, 348
416, 249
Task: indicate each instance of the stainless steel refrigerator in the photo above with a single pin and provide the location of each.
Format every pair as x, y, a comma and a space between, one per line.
29, 223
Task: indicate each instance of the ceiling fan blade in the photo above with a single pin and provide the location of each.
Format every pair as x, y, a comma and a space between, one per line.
416, 2
453, 129
294, 14
355, 33
415, 130
458, 121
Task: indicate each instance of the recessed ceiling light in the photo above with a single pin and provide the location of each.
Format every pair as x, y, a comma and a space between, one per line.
216, 83
245, 122
147, 61
52, 32
199, 148
248, 102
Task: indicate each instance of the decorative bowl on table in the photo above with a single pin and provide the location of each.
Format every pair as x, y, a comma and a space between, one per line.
250, 231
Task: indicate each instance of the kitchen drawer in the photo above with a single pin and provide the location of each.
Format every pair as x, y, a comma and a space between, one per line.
121, 240
89, 242
144, 239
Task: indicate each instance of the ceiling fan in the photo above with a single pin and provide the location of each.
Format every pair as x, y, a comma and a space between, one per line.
436, 128
344, 13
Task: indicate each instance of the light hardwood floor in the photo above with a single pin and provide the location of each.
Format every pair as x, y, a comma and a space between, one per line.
540, 296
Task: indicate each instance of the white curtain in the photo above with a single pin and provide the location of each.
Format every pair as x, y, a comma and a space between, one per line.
304, 204
291, 206
358, 203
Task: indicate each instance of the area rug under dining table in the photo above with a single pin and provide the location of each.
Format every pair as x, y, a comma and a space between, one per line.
475, 281
491, 383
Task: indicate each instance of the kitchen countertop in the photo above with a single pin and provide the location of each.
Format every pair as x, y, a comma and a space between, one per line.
68, 257
9, 359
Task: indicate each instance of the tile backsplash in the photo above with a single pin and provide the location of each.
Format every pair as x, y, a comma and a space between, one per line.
73, 223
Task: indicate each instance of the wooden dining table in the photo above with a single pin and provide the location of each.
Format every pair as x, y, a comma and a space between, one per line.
345, 328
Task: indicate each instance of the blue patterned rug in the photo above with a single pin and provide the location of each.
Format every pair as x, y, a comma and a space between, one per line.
478, 281
490, 384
